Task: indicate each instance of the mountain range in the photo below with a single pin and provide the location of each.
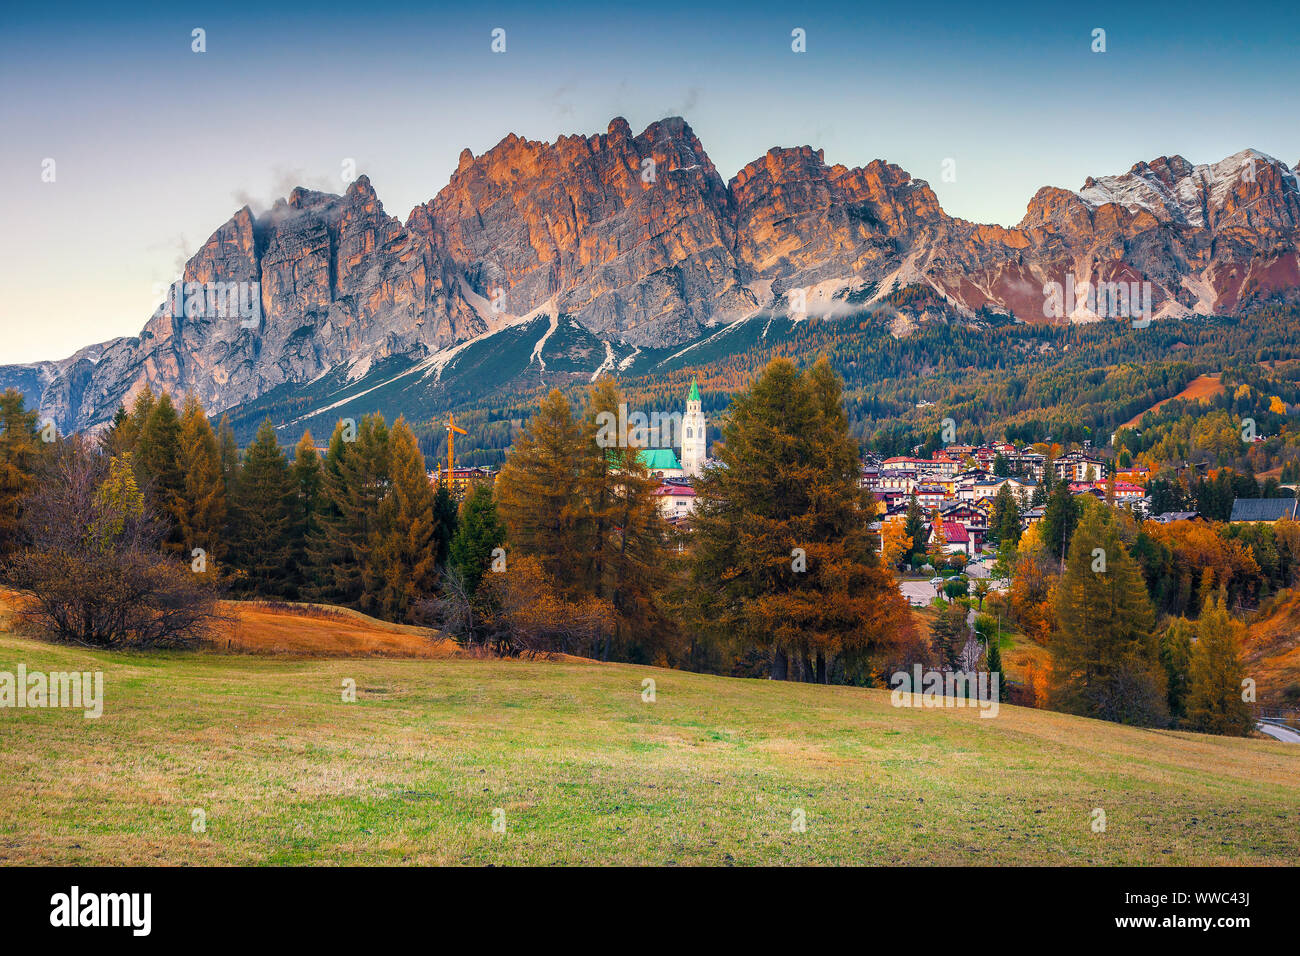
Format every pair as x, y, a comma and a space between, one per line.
628, 248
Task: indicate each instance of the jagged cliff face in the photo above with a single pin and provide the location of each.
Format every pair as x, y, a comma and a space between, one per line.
639, 239
631, 234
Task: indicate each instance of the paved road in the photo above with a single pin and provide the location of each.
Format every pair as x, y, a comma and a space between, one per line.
1281, 733
917, 592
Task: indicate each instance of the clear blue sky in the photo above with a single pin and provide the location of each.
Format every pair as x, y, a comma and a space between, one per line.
156, 146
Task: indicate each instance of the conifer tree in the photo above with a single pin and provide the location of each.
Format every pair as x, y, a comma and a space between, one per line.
1004, 523
117, 441
993, 664
447, 517
1059, 519
406, 551
1175, 657
627, 535
538, 496
356, 478
228, 451
307, 479
937, 549
20, 451
1214, 693
948, 635
141, 408
263, 513
158, 454
201, 511
784, 557
1104, 659
914, 526
325, 546
480, 532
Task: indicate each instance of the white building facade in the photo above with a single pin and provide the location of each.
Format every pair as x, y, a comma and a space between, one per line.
695, 445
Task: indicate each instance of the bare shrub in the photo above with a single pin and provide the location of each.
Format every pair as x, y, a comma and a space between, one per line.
95, 573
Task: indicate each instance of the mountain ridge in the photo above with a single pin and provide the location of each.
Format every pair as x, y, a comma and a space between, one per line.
637, 238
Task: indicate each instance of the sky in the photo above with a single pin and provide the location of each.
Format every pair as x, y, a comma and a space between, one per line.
154, 145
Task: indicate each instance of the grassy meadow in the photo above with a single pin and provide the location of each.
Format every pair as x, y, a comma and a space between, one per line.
585, 771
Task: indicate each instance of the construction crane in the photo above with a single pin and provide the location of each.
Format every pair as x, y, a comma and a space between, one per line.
452, 431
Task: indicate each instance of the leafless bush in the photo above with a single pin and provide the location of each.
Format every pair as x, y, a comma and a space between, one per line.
95, 573
519, 612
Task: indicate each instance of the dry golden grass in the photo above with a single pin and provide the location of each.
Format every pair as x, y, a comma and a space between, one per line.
312, 630
1201, 387
1272, 650
586, 771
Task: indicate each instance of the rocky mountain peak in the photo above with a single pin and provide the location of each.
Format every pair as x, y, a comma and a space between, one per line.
637, 239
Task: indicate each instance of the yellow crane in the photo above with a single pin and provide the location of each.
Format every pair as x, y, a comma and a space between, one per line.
452, 431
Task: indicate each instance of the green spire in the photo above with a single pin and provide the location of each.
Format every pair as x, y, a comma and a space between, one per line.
695, 392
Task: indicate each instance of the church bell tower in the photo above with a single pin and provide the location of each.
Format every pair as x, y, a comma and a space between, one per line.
694, 428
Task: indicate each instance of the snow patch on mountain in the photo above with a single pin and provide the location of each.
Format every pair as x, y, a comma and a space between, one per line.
607, 364
1173, 190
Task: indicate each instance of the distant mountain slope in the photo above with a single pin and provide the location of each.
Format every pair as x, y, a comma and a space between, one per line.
639, 244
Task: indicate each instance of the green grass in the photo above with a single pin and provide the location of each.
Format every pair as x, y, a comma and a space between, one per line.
586, 772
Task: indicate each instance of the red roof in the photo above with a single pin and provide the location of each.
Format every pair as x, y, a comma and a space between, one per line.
684, 491
955, 533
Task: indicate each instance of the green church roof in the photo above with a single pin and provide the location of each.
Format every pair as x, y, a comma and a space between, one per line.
695, 392
658, 459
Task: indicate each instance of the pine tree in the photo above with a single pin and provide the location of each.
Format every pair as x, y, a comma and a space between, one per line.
447, 517
228, 451
20, 451
1004, 523
538, 496
158, 446
201, 503
914, 526
132, 426
326, 549
1175, 657
480, 532
118, 440
1038, 497
356, 478
406, 551
1104, 660
948, 635
627, 533
1214, 698
263, 515
158, 455
937, 549
993, 664
1059, 519
784, 558
308, 480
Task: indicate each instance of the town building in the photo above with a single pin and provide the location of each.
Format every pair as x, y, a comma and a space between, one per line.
1076, 466
676, 499
1263, 510
661, 462
695, 446
462, 480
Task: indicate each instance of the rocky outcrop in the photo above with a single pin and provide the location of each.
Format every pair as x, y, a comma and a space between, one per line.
630, 233
641, 242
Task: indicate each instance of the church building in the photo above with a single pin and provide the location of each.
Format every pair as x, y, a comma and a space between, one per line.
694, 429
664, 462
